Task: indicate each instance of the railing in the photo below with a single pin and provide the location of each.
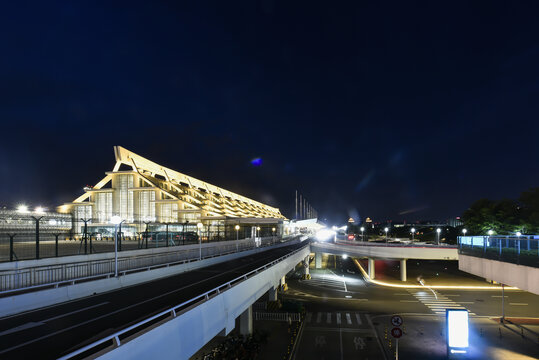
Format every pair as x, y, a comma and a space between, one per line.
403, 244
171, 313
521, 250
276, 316
34, 278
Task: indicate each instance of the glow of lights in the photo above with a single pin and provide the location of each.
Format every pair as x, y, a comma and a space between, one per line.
22, 208
256, 161
386, 229
438, 230
199, 225
413, 230
258, 228
273, 229
52, 222
362, 229
519, 233
324, 234
237, 227
116, 220
348, 296
454, 351
344, 256
490, 232
457, 328
39, 210
464, 231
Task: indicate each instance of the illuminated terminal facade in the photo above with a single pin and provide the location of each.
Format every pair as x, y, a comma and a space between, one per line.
143, 193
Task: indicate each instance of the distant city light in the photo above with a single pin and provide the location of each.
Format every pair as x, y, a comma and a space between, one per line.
39, 210
344, 256
22, 208
324, 234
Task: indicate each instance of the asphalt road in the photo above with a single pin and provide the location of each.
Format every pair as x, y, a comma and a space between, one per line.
348, 318
58, 330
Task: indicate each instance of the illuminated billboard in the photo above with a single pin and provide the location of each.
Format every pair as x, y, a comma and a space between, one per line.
457, 330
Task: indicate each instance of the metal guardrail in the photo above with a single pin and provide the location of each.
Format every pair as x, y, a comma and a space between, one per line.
277, 316
520, 250
174, 311
403, 244
35, 278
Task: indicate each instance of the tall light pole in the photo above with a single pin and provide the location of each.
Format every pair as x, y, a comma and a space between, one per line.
362, 229
116, 220
438, 236
199, 227
386, 230
237, 227
464, 231
273, 235
413, 233
490, 232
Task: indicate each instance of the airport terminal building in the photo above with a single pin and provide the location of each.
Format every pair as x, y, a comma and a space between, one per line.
145, 194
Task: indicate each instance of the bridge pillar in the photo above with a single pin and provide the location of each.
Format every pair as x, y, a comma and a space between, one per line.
246, 321
403, 269
306, 265
273, 294
370, 269
283, 284
318, 260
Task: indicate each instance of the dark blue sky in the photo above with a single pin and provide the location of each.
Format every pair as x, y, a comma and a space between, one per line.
393, 110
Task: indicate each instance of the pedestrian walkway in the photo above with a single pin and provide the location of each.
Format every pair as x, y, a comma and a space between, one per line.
435, 301
340, 319
329, 282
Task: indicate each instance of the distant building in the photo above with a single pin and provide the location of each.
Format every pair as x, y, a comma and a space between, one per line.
455, 222
140, 191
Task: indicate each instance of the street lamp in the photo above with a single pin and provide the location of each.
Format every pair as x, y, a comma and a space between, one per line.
438, 231
22, 208
237, 227
258, 231
490, 232
386, 230
464, 231
273, 234
413, 233
117, 221
362, 229
199, 227
519, 234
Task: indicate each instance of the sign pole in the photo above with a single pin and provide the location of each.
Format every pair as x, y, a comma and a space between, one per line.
397, 349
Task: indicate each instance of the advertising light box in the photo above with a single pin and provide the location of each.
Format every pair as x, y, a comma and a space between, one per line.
457, 330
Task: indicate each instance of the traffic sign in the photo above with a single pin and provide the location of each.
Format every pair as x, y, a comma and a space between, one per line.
396, 320
396, 332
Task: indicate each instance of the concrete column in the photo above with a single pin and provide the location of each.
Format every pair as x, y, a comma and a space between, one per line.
370, 269
283, 280
246, 321
272, 294
403, 269
318, 260
306, 265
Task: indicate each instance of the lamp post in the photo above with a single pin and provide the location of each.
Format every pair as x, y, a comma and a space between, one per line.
237, 227
438, 236
464, 231
490, 232
362, 229
85, 221
117, 221
273, 235
413, 233
386, 230
199, 227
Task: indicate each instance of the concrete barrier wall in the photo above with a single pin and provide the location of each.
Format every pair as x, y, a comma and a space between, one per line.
34, 300
184, 335
523, 277
387, 252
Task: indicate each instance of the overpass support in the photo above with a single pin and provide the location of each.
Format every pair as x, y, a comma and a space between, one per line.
273, 294
246, 321
370, 269
403, 269
306, 265
318, 260
284, 287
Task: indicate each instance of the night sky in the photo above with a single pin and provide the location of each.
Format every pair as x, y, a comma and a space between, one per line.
393, 110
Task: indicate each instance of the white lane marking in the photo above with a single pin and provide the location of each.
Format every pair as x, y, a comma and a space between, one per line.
42, 322
402, 294
318, 317
22, 327
521, 304
76, 311
328, 320
452, 295
414, 301
499, 296
466, 302
348, 319
344, 282
338, 318
358, 318
309, 317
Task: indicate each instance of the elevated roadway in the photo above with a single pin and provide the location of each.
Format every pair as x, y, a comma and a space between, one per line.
59, 330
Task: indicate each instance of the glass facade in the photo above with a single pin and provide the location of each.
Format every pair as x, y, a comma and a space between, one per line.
103, 207
146, 202
169, 212
124, 196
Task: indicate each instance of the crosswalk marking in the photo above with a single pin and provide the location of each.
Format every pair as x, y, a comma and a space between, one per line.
338, 318
358, 318
437, 303
348, 319
341, 318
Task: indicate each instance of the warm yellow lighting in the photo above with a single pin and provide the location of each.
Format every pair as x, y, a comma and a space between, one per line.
199, 225
273, 229
447, 287
258, 228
